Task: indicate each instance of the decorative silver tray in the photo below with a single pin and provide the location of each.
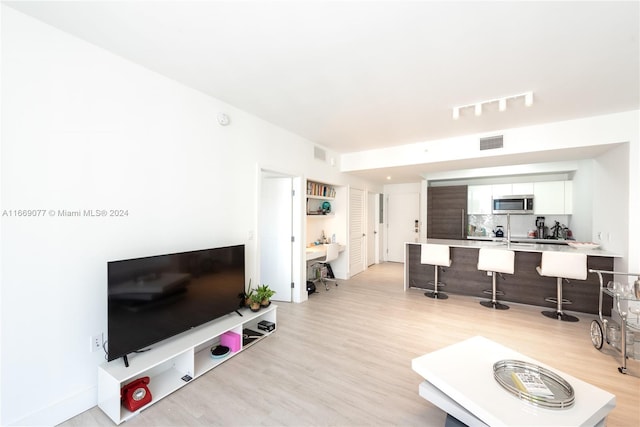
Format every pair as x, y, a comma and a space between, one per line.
534, 384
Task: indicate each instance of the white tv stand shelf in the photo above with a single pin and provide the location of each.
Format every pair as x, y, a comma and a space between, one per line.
170, 360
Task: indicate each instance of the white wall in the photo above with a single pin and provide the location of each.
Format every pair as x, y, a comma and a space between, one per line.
611, 203
583, 195
84, 129
634, 202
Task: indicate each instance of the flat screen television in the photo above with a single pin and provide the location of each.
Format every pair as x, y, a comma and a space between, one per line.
154, 298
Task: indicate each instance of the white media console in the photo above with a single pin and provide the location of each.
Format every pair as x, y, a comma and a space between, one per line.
169, 361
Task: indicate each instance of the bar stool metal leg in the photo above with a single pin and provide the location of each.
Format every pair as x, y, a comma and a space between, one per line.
435, 293
558, 313
494, 302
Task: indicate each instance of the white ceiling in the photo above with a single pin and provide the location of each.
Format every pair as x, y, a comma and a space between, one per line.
355, 75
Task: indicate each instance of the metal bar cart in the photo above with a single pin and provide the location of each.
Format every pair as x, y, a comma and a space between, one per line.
599, 329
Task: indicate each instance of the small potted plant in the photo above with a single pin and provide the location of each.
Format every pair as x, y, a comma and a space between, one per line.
265, 294
246, 295
254, 301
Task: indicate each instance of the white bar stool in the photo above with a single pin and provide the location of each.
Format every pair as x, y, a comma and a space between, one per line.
438, 256
562, 265
495, 261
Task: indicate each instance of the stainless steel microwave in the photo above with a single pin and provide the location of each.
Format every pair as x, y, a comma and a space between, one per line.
512, 204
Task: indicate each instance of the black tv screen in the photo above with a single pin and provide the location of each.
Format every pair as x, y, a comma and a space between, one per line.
154, 298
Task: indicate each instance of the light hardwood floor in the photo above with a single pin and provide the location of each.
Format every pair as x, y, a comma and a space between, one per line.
344, 359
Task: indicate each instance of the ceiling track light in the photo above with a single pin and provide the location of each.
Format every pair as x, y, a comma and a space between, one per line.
528, 99
502, 104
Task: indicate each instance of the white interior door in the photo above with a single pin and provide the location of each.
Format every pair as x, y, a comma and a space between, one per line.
276, 208
357, 240
403, 219
372, 228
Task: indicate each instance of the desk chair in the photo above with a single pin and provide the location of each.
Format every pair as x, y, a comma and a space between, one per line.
495, 261
562, 265
438, 256
333, 250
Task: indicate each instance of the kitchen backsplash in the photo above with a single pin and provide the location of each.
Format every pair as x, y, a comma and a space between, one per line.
485, 225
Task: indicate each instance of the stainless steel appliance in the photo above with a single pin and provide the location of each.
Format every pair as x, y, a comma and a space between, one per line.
512, 204
541, 232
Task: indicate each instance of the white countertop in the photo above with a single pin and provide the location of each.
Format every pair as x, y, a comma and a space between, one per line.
520, 247
461, 376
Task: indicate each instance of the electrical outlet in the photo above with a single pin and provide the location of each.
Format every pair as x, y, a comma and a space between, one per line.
96, 342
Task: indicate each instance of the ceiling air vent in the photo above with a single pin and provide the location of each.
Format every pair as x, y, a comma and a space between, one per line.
491, 142
320, 154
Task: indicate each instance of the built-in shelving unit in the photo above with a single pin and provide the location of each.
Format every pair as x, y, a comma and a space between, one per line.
173, 363
319, 196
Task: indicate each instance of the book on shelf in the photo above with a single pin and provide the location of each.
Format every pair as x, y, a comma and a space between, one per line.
321, 190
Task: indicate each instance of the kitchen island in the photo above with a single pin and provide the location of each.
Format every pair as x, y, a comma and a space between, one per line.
525, 286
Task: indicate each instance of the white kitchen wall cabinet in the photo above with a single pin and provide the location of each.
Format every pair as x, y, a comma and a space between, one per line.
553, 198
498, 190
479, 199
522, 188
568, 197
517, 189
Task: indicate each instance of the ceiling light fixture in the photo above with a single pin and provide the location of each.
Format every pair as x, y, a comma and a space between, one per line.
528, 99
502, 104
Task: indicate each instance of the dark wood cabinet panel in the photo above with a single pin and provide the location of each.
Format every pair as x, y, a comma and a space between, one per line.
447, 212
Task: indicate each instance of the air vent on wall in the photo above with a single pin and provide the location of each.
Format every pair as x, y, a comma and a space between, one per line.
320, 154
491, 142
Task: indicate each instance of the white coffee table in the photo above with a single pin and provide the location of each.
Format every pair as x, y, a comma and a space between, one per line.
459, 380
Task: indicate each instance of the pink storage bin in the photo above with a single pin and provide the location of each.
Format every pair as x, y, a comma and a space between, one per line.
231, 340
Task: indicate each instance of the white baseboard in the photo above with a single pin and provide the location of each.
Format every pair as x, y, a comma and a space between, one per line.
61, 411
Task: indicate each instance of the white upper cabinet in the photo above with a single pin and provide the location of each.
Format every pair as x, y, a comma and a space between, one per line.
498, 190
550, 198
522, 188
553, 198
479, 199
517, 189
568, 197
